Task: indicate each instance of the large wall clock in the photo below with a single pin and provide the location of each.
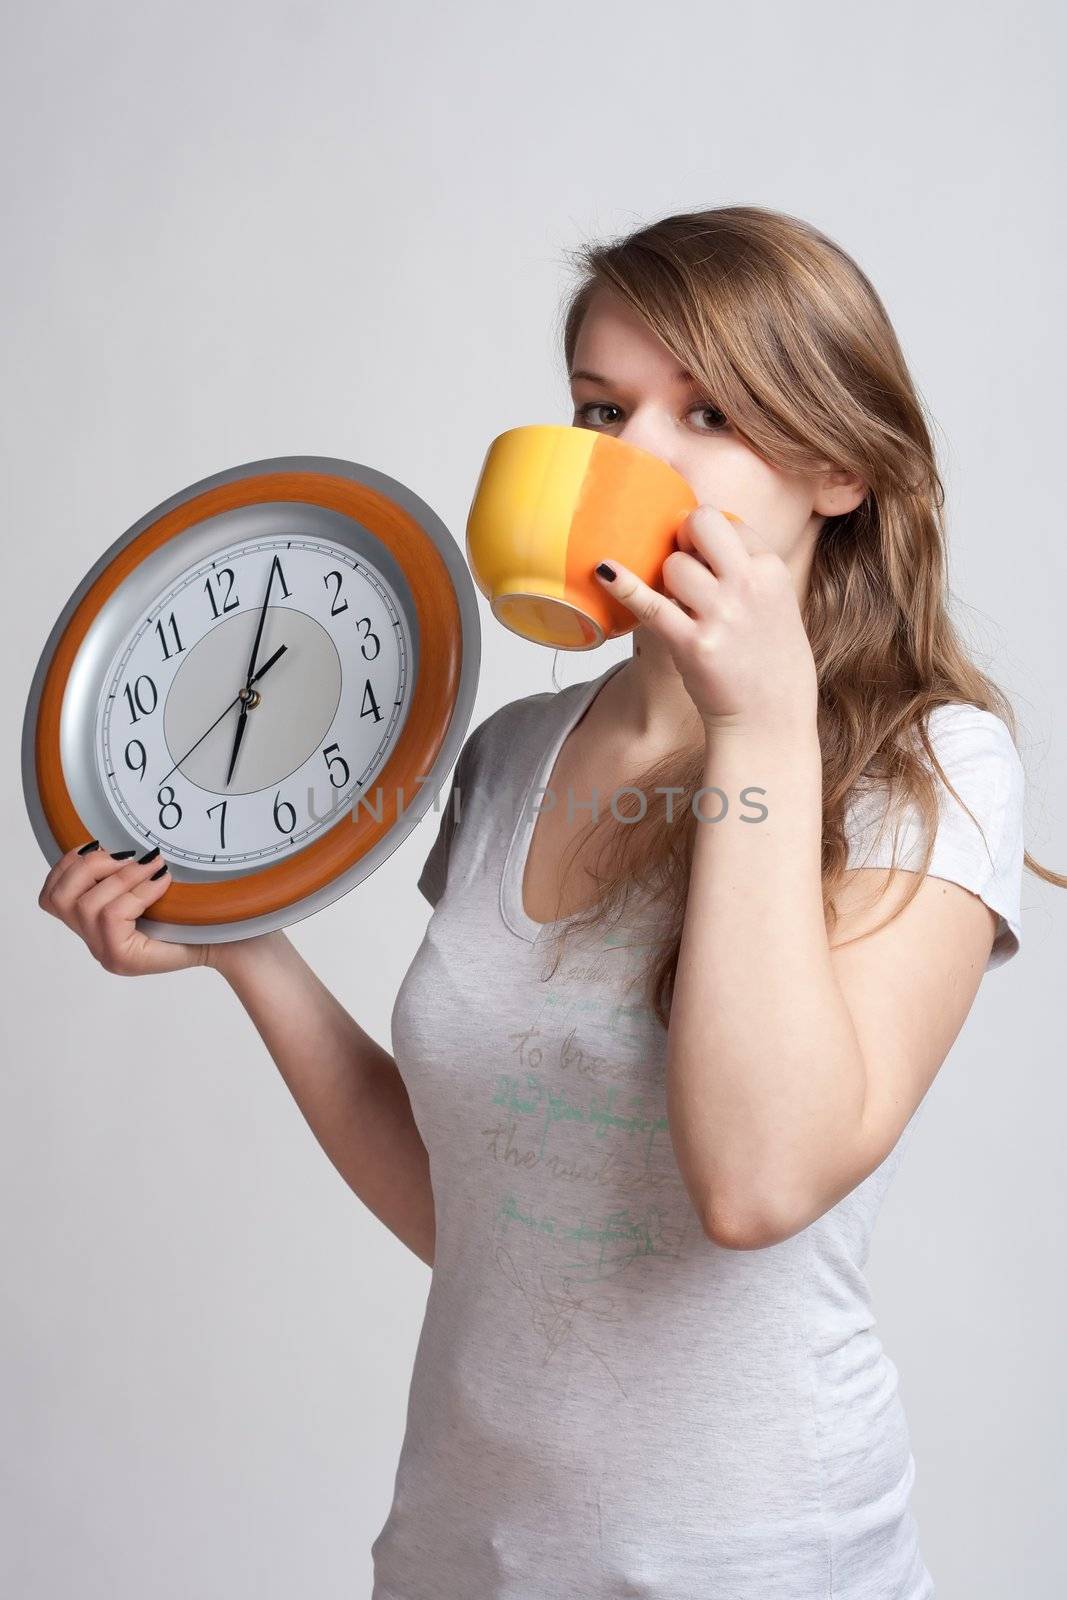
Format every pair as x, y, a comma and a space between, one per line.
268, 676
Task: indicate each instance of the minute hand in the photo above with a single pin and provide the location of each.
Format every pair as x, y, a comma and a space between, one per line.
282, 648
259, 625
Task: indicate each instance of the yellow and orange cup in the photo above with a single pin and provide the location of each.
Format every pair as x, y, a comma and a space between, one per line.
551, 502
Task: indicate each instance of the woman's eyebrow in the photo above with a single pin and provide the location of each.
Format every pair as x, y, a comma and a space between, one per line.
597, 377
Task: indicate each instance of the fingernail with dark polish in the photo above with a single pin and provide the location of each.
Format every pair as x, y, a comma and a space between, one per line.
606, 572
158, 874
149, 855
122, 855
94, 844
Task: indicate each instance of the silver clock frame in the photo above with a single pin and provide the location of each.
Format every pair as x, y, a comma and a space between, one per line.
123, 608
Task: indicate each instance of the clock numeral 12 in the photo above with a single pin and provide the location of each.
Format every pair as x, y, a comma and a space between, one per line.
231, 602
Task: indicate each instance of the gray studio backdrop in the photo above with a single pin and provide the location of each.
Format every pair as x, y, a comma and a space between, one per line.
250, 230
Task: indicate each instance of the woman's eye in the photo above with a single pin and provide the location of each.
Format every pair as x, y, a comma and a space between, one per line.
585, 412
706, 409
709, 410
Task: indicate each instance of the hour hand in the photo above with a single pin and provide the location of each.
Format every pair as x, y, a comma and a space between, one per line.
245, 697
238, 736
282, 648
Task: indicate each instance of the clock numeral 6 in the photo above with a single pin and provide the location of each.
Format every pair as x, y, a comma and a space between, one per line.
338, 783
137, 698
169, 804
286, 805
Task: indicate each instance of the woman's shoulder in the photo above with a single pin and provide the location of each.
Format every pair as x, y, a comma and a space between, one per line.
519, 722
968, 740
978, 837
966, 722
977, 750
494, 763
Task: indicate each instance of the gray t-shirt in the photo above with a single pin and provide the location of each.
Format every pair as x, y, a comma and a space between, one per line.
604, 1402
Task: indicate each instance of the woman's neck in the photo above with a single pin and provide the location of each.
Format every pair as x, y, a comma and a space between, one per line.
647, 704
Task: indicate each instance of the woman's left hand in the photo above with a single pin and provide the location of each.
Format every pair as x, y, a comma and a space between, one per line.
740, 647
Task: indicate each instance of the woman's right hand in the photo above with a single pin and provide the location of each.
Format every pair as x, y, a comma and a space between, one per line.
100, 900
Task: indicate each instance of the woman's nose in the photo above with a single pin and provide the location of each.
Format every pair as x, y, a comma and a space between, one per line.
646, 436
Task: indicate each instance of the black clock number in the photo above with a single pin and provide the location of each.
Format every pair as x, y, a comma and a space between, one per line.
138, 698
288, 806
335, 609
330, 759
231, 602
366, 636
134, 766
221, 808
374, 709
276, 567
169, 804
173, 626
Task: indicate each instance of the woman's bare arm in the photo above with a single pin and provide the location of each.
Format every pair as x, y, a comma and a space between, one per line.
347, 1087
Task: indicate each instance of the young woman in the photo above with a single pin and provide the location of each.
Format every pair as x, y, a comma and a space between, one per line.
771, 855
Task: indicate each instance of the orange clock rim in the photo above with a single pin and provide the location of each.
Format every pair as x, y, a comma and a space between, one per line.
440, 659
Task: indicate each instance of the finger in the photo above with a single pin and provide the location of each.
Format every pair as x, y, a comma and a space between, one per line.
72, 874
725, 542
689, 580
120, 943
656, 611
54, 873
122, 895
132, 901
122, 947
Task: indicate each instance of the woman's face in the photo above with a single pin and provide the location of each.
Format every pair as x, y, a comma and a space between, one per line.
627, 383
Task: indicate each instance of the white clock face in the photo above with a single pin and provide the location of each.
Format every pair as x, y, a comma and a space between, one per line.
331, 686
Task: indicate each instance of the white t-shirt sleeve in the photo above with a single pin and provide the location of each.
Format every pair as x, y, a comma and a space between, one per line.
978, 754
434, 875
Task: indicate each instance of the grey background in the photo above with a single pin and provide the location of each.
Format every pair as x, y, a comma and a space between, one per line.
252, 230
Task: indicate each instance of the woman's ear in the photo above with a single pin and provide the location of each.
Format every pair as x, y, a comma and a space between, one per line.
837, 493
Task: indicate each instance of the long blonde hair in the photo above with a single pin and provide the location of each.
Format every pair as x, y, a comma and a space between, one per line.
792, 342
